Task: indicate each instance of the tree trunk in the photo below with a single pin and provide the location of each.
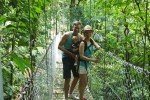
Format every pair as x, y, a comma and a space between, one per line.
1, 82
128, 78
128, 83
72, 5
149, 74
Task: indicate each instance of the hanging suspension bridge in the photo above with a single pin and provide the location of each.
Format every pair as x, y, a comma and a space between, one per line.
108, 83
113, 78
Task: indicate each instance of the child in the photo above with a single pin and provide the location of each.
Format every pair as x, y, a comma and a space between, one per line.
75, 48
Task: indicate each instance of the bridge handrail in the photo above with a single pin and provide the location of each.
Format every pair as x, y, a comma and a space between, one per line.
28, 84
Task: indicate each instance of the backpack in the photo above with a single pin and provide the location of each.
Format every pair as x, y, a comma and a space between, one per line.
85, 48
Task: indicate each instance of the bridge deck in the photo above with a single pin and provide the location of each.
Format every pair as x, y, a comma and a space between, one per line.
58, 93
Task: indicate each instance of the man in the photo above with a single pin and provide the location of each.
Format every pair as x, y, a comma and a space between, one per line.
68, 59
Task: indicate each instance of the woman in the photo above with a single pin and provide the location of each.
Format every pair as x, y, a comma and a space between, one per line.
86, 49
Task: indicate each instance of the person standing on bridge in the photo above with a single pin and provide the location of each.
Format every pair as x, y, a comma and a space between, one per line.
86, 49
68, 59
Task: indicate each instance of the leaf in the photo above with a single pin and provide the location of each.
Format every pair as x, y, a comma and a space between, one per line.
2, 19
20, 62
11, 18
24, 19
23, 42
11, 26
38, 10
40, 49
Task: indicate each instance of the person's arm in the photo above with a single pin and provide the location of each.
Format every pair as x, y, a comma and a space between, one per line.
97, 46
81, 53
81, 37
61, 45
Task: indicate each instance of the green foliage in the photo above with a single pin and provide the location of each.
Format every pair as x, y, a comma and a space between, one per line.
20, 62
16, 27
20, 21
2, 19
109, 19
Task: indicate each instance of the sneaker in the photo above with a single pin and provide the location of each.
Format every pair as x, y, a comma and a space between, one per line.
73, 97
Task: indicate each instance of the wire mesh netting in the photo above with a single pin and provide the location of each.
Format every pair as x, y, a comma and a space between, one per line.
44, 78
116, 79
40, 85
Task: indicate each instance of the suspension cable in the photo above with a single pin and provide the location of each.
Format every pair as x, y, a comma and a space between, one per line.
137, 68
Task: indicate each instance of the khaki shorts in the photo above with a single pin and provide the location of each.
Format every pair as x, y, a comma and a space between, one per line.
82, 70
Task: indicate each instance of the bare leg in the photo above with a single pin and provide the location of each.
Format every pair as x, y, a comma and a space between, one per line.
66, 87
73, 84
82, 85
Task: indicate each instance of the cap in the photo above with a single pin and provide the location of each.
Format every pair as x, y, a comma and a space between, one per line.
87, 27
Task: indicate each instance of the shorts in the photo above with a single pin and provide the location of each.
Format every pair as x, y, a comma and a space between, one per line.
68, 66
83, 67
82, 70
